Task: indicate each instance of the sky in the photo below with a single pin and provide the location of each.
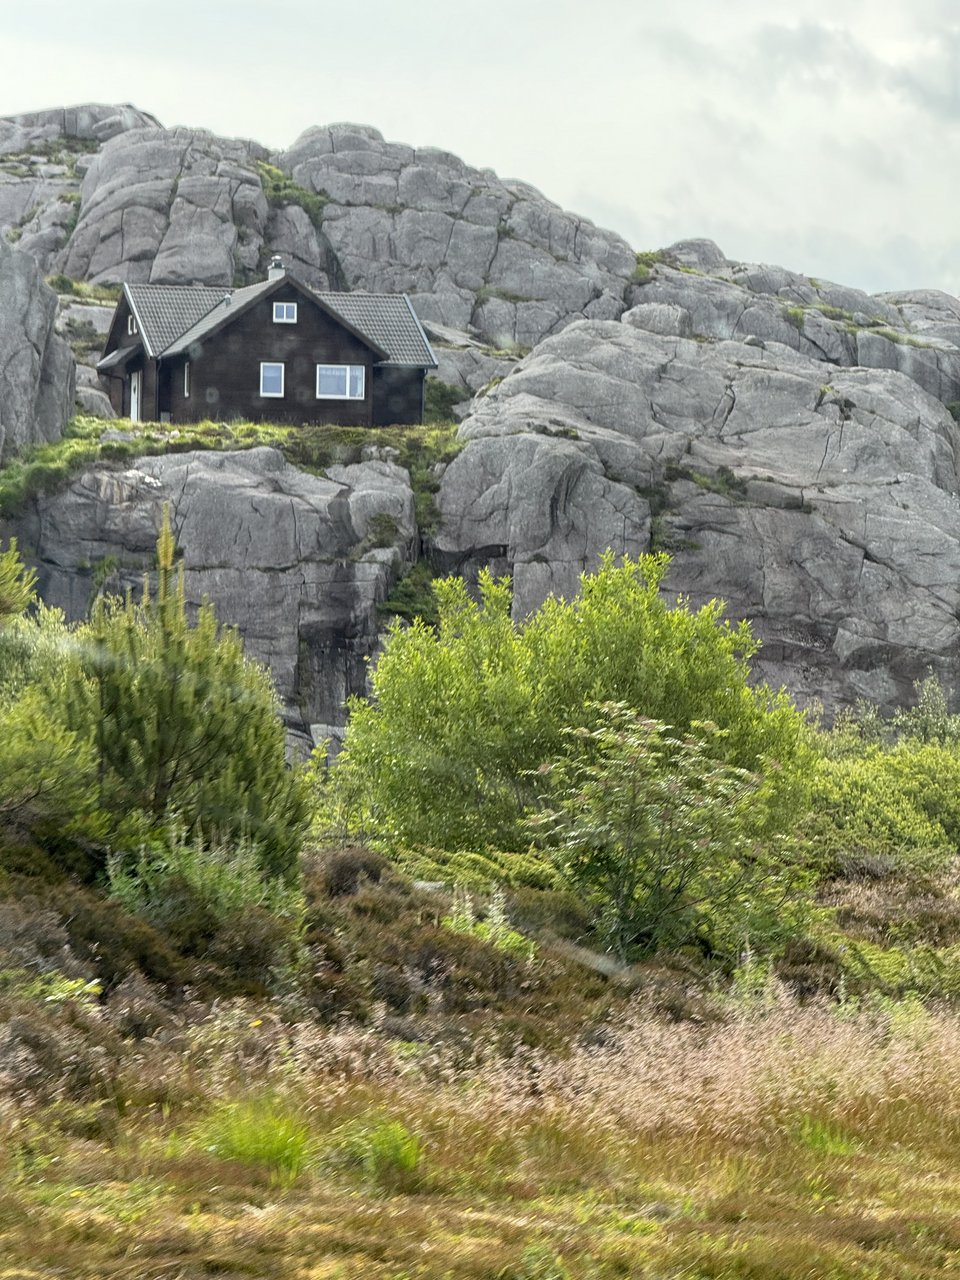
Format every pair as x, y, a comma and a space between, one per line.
822, 136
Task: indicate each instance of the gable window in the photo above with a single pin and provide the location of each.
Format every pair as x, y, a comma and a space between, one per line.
340, 381
284, 313
186, 380
132, 326
271, 379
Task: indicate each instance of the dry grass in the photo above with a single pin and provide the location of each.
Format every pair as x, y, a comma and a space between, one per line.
784, 1142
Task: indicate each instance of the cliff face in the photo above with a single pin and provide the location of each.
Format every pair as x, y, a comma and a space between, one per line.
298, 562
37, 371
791, 442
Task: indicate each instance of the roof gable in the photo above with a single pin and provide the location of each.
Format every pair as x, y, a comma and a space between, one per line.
390, 320
230, 307
164, 311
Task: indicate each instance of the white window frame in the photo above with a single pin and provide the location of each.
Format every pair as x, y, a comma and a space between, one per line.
186, 379
273, 364
132, 326
346, 368
284, 313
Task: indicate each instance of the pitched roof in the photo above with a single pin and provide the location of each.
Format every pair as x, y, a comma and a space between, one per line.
173, 317
391, 322
230, 302
164, 311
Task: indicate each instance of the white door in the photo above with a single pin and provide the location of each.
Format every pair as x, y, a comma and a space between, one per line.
135, 396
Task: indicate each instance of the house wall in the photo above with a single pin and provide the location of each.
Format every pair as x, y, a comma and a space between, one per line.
117, 384
397, 396
225, 370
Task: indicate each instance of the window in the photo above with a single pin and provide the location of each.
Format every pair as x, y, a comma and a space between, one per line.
284, 313
186, 380
132, 326
340, 381
271, 380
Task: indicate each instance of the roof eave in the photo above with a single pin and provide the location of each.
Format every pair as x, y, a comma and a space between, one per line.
426, 340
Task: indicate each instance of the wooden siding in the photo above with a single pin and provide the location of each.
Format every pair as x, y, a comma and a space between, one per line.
225, 369
397, 396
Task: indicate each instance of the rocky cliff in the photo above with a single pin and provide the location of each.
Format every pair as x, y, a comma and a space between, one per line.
791, 442
37, 371
298, 562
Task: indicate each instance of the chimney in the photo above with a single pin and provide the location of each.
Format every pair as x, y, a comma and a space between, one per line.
276, 268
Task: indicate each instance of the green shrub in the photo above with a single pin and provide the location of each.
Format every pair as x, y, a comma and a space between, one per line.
441, 398
661, 838
179, 721
898, 808
462, 716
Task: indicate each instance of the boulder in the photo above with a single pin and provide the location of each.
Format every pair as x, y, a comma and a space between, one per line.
169, 206
37, 369
821, 505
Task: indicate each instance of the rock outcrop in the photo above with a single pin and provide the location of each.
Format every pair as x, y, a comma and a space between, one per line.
822, 504
297, 562
913, 333
37, 370
342, 206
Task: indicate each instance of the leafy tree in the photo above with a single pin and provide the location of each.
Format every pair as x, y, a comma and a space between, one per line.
462, 715
661, 839
178, 720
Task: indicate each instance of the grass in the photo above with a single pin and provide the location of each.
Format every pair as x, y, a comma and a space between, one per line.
646, 261
774, 1146
79, 289
259, 1131
48, 468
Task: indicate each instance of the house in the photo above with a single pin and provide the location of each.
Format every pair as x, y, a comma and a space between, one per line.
276, 351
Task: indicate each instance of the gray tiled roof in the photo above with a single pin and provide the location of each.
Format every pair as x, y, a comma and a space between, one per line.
171, 317
390, 320
164, 311
204, 323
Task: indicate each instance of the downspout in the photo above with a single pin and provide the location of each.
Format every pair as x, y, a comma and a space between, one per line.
156, 390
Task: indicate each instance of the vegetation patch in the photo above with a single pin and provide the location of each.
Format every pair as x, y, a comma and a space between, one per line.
646, 261
281, 191
49, 467
96, 293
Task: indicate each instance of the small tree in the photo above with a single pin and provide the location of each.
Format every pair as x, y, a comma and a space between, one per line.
661, 838
462, 715
180, 721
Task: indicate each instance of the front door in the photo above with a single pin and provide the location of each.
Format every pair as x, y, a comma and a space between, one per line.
135, 378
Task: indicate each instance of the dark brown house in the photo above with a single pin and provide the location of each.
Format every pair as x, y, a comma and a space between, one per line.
272, 352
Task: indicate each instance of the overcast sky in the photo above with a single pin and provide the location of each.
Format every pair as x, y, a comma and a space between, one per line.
822, 135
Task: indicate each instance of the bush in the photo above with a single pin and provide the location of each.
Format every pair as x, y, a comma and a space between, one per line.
896, 808
462, 716
662, 839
